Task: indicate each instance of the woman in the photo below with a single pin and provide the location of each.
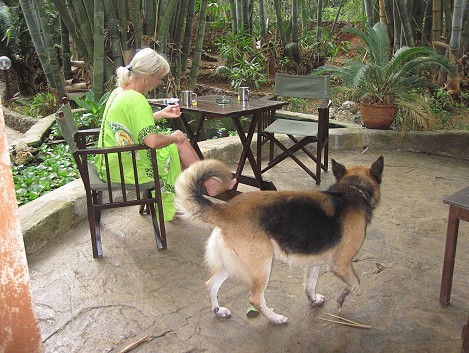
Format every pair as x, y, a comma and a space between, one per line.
129, 119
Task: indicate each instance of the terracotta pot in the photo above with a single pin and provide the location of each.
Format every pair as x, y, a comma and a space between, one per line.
378, 116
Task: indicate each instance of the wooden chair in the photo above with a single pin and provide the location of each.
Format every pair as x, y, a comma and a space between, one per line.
116, 194
311, 129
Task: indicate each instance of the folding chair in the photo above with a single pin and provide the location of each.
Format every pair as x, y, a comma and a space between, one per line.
311, 129
117, 194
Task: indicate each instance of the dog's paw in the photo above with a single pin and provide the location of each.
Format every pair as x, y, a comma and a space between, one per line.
317, 301
222, 313
278, 319
342, 297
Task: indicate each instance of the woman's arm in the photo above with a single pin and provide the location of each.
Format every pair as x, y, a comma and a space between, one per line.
170, 112
159, 141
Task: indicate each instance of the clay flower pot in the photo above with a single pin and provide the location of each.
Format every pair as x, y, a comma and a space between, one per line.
377, 116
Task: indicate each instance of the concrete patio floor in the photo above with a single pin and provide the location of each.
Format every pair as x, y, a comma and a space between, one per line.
87, 305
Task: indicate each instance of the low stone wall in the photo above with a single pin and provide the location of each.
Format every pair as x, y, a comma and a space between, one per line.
56, 212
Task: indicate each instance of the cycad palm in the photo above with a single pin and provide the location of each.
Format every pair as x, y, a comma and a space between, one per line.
400, 79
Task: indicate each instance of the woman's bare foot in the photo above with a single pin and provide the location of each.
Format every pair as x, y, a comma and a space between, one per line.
214, 185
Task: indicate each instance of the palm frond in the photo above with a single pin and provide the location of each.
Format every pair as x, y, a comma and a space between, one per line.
417, 112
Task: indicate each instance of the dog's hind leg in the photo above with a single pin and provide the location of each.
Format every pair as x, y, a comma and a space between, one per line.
214, 259
257, 298
213, 285
347, 274
311, 280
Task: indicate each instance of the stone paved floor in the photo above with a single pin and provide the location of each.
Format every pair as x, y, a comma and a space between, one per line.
87, 305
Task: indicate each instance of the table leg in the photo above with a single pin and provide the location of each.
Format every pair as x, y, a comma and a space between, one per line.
450, 254
247, 154
194, 137
465, 338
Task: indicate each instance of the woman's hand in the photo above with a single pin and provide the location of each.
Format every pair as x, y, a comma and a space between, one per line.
179, 137
170, 112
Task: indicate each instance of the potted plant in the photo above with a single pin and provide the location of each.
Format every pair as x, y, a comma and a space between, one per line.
385, 83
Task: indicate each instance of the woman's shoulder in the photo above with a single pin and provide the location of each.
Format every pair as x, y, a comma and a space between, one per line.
129, 96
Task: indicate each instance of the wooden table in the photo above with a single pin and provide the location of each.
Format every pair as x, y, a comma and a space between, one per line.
458, 209
207, 108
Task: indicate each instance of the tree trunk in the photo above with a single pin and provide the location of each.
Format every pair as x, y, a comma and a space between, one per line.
262, 27
368, 11
405, 23
448, 15
65, 42
388, 9
114, 36
186, 46
164, 25
397, 27
149, 9
198, 44
456, 30
319, 21
280, 30
73, 29
295, 34
436, 24
98, 49
427, 27
41, 35
234, 27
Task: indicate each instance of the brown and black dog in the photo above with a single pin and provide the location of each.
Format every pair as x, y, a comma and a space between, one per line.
300, 228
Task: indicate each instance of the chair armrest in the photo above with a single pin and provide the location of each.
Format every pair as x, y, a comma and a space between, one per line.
287, 114
116, 149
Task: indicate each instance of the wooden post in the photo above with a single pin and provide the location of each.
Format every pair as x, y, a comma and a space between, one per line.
19, 330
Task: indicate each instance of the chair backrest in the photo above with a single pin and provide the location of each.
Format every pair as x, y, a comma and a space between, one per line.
67, 126
307, 86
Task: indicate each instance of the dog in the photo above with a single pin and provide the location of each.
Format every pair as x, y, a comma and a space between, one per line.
309, 229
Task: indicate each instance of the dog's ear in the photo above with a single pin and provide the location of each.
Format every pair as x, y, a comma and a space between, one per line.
376, 169
338, 169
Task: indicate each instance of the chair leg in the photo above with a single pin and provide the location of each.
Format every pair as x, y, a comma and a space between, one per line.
318, 164
159, 229
94, 219
144, 207
450, 254
326, 156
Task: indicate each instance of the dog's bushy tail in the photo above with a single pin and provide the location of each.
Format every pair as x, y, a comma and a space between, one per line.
190, 199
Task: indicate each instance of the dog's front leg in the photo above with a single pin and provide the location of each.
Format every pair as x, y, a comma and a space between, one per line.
311, 280
213, 285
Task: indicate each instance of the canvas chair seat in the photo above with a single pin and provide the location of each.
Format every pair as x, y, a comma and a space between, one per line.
298, 128
117, 194
303, 130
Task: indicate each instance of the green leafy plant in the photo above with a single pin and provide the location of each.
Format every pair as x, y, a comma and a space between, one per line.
451, 109
402, 80
54, 167
40, 105
244, 65
94, 109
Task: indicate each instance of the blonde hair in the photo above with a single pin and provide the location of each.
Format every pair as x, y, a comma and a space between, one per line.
145, 62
